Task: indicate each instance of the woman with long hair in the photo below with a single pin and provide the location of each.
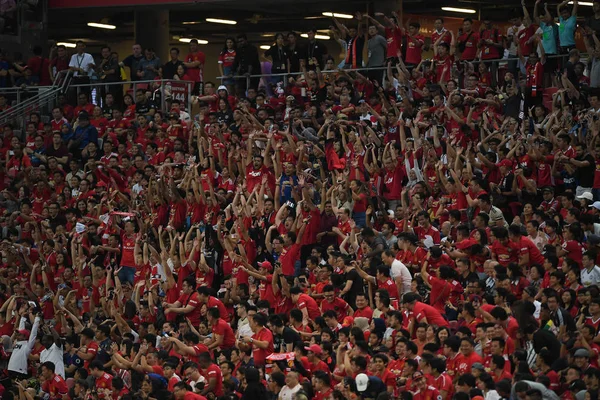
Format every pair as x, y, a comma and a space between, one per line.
226, 58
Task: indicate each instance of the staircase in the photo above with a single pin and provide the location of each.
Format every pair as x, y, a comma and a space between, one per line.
18, 112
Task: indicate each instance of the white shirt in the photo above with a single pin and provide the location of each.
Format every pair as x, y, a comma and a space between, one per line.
55, 355
22, 349
592, 277
288, 394
82, 61
514, 32
398, 269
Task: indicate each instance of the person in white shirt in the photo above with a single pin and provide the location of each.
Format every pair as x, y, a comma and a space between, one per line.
590, 274
292, 386
398, 271
53, 350
22, 347
81, 63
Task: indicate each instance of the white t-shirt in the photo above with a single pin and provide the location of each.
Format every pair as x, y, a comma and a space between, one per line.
82, 61
592, 277
22, 349
55, 355
398, 269
288, 394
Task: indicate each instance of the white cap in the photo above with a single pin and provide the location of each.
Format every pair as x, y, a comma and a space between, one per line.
586, 195
596, 205
362, 381
222, 87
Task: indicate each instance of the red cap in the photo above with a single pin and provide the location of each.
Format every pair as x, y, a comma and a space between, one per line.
24, 332
266, 265
315, 348
505, 163
101, 184
465, 244
348, 321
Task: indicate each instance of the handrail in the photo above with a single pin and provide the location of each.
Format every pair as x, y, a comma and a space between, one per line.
383, 68
14, 112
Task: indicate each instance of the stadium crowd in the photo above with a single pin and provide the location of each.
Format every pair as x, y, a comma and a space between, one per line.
379, 227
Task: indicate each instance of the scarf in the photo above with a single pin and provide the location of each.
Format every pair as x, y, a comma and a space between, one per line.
352, 50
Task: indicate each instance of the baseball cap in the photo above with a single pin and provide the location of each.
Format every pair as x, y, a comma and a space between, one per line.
578, 353
362, 382
315, 348
222, 87
596, 205
24, 332
266, 265
348, 321
586, 195
548, 189
505, 163
478, 366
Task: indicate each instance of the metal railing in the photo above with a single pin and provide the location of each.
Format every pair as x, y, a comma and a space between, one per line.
169, 89
501, 62
44, 95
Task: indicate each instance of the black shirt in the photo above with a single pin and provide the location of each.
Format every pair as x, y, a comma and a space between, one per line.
144, 108
288, 336
111, 65
170, 69
246, 59
295, 54
316, 50
134, 65
585, 175
279, 57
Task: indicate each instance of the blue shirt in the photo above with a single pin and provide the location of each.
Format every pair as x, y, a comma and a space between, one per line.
566, 31
89, 134
549, 38
286, 188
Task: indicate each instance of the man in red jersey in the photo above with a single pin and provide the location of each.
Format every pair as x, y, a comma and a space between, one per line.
527, 251
467, 356
422, 312
183, 391
261, 341
54, 384
305, 303
188, 303
422, 390
103, 380
222, 334
213, 375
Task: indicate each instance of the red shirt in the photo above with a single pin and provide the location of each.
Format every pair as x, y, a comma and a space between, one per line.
196, 73
222, 328
104, 382
365, 312
260, 355
214, 302
394, 41
523, 36
425, 311
56, 387
338, 305
414, 45
446, 36
489, 52
193, 396
431, 231
393, 182
213, 371
194, 301
470, 40
305, 301
463, 364
127, 250
430, 393
288, 258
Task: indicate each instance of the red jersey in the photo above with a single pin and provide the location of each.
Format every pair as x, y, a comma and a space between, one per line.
193, 300
55, 387
128, 250
222, 328
414, 46
394, 41
196, 73
288, 258
260, 355
305, 301
470, 40
464, 363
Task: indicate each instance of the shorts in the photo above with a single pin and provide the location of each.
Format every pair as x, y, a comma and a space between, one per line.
227, 71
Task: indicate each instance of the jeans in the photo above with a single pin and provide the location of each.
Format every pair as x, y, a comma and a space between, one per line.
360, 218
127, 274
